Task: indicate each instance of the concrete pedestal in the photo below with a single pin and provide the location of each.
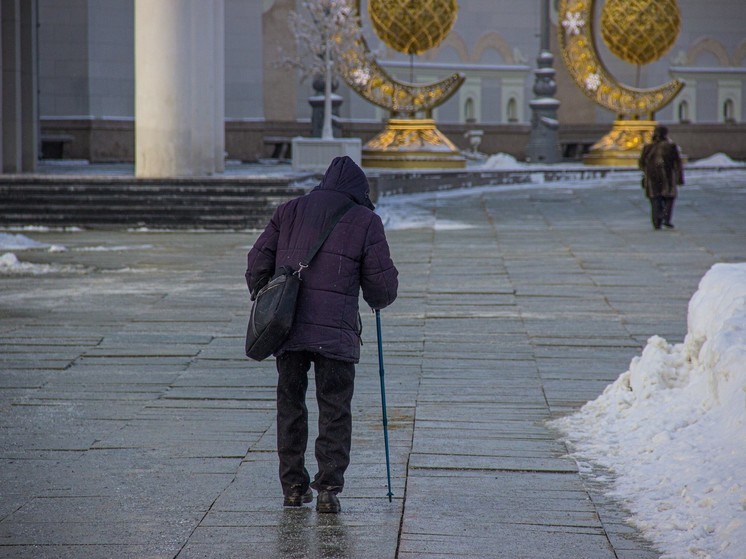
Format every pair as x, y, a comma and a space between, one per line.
315, 154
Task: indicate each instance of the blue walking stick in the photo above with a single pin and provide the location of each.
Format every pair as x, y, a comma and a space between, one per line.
383, 401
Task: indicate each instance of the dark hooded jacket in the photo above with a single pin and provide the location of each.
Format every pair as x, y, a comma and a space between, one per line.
354, 256
662, 168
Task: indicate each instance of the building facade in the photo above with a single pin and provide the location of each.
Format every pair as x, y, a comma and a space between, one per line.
80, 57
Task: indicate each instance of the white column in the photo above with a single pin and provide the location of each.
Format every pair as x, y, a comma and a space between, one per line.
2, 85
29, 87
11, 86
218, 65
176, 120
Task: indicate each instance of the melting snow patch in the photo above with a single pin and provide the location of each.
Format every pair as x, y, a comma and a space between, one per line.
672, 428
10, 265
502, 161
10, 241
718, 160
113, 248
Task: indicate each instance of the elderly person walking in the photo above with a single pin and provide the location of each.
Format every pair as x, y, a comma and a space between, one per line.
662, 174
327, 327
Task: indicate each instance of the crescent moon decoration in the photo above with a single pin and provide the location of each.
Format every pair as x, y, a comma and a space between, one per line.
578, 47
366, 77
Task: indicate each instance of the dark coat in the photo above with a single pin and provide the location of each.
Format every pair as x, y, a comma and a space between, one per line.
354, 256
662, 169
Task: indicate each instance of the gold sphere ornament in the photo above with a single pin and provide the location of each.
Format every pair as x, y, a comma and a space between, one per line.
412, 26
640, 31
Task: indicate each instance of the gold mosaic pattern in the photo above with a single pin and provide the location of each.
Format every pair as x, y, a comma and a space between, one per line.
412, 144
579, 52
369, 80
412, 26
640, 31
411, 135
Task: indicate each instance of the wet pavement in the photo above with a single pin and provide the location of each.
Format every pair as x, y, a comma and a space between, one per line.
132, 426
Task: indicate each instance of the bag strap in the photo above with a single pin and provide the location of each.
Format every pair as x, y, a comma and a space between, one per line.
324, 234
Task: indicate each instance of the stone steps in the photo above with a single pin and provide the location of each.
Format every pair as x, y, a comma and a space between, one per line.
96, 202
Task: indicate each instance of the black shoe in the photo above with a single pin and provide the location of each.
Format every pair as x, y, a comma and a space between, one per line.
327, 502
668, 224
295, 496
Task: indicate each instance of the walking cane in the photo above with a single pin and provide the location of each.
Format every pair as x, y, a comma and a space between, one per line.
383, 401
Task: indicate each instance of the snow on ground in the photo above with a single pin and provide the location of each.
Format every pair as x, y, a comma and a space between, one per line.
10, 265
508, 162
718, 160
11, 241
9, 262
502, 161
415, 211
113, 248
672, 429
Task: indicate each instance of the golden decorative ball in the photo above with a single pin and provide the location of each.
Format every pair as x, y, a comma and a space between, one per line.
640, 31
412, 26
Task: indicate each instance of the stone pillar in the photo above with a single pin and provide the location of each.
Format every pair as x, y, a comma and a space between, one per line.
218, 66
19, 119
29, 87
179, 115
10, 47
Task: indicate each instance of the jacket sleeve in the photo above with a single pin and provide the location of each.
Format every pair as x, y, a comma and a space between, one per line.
260, 261
642, 161
379, 277
679, 167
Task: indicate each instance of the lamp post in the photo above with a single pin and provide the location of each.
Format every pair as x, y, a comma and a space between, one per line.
543, 142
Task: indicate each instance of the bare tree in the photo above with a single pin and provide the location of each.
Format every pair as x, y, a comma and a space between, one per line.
329, 39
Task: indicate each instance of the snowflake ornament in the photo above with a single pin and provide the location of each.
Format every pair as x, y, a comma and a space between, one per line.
592, 82
361, 76
573, 23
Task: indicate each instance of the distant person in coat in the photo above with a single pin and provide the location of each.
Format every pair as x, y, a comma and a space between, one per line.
662, 174
327, 327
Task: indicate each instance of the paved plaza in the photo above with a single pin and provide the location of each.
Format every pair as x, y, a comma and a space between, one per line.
132, 425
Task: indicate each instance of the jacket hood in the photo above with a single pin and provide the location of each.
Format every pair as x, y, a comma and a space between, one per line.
344, 175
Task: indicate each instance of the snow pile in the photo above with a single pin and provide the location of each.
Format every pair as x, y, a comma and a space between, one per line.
718, 160
502, 161
10, 265
672, 428
10, 241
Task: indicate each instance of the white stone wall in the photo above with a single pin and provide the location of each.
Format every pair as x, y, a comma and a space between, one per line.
63, 59
243, 60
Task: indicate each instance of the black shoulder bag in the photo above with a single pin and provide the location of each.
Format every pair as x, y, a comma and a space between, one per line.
274, 307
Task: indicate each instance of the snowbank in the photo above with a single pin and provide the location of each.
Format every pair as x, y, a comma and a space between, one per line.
717, 160
672, 428
10, 241
502, 161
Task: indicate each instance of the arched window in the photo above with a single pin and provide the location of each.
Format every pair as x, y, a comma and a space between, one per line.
729, 114
469, 110
512, 111
684, 112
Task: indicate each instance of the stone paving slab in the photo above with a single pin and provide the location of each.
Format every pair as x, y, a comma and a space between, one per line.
132, 426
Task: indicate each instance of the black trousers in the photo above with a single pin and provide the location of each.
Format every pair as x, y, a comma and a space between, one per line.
661, 210
334, 388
